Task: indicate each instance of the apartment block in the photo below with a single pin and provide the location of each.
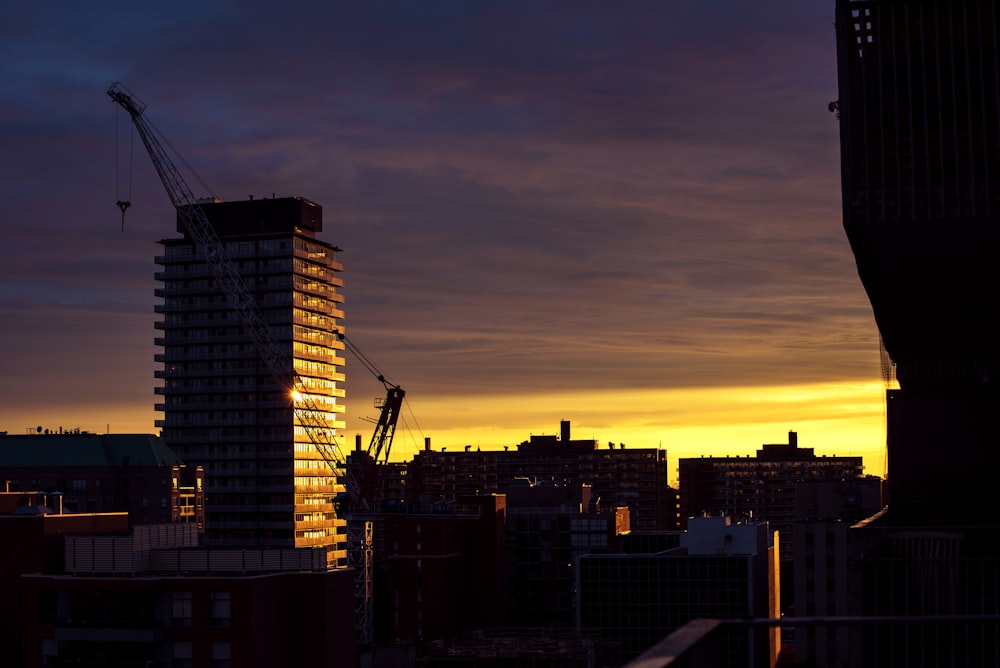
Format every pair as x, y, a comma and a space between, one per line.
760, 488
636, 478
224, 409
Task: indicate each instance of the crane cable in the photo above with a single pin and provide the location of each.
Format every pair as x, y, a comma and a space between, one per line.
123, 203
365, 361
375, 371
126, 203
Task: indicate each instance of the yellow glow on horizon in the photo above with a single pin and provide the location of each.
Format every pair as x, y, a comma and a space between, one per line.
845, 419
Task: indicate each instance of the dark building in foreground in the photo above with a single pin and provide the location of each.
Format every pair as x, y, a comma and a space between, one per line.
548, 527
32, 539
825, 513
919, 111
920, 152
439, 572
721, 570
86, 590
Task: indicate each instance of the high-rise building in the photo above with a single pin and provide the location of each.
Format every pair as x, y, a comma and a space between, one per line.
223, 409
919, 110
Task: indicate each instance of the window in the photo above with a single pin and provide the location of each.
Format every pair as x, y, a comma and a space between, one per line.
182, 654
182, 608
222, 653
220, 615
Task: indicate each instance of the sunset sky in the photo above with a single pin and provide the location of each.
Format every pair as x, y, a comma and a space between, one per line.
625, 215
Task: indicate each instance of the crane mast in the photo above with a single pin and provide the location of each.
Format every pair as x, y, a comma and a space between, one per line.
312, 418
385, 428
390, 406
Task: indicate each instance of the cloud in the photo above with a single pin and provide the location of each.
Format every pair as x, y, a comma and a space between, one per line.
531, 196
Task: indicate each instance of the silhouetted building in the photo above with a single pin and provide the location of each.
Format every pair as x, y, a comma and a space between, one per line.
82, 472
825, 511
548, 527
637, 478
919, 104
761, 488
441, 573
151, 597
920, 154
32, 538
629, 602
222, 407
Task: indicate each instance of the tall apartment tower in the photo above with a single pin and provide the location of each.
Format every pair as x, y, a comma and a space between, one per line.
920, 153
919, 109
266, 483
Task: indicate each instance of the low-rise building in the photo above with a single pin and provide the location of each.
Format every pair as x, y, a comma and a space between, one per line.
722, 570
93, 591
82, 472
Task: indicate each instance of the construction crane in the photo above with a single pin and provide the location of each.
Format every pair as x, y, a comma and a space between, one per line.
311, 417
227, 276
363, 514
390, 406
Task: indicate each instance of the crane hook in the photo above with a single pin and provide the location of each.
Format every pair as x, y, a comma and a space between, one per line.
123, 204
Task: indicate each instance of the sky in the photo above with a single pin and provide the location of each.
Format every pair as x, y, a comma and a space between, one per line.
624, 215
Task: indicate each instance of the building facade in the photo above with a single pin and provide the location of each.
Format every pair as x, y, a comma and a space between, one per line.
548, 527
920, 170
820, 538
759, 488
919, 115
80, 472
89, 595
629, 602
267, 483
637, 478
440, 572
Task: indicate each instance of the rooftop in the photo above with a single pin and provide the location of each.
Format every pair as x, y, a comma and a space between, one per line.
84, 449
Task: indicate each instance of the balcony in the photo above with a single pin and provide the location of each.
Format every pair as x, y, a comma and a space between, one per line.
954, 640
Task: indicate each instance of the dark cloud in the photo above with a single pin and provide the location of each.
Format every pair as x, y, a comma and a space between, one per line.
531, 196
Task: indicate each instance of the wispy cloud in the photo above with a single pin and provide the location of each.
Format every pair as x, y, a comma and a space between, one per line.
531, 196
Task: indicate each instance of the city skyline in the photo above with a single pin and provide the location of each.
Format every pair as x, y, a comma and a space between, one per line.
629, 219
